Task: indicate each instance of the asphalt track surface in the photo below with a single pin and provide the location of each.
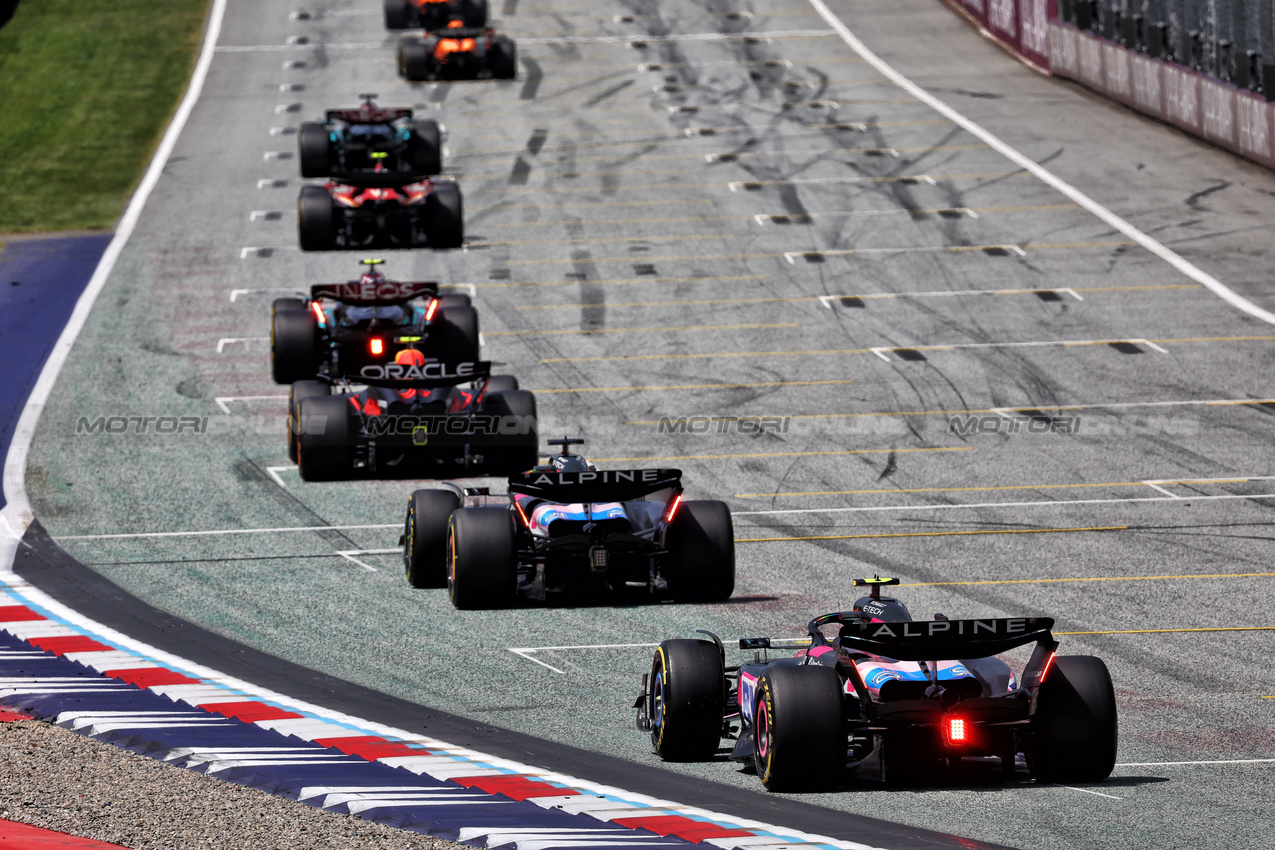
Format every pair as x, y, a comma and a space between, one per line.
748, 221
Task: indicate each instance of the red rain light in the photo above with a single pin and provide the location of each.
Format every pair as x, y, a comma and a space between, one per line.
376, 346
956, 731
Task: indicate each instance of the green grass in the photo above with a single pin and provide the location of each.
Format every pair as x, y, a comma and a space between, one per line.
86, 90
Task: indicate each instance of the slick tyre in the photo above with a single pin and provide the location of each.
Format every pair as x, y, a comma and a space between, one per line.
425, 148
518, 427
501, 384
315, 219
701, 542
798, 741
425, 536
415, 60
503, 58
325, 445
294, 338
298, 391
458, 327
315, 150
686, 700
481, 567
444, 217
1074, 730
397, 14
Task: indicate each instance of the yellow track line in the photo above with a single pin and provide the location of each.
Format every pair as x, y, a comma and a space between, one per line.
785, 454
848, 252
693, 387
1174, 631
931, 534
640, 330
988, 489
1087, 578
806, 298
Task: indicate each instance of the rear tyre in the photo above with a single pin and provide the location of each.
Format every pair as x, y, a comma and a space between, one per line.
426, 148
481, 568
1075, 730
686, 700
454, 299
415, 61
315, 219
396, 14
798, 737
501, 383
298, 391
474, 12
517, 409
315, 149
701, 541
459, 331
294, 344
503, 58
444, 217
425, 537
325, 450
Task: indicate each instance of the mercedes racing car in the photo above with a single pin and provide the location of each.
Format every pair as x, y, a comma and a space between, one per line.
434, 14
343, 327
457, 52
412, 419
379, 210
566, 526
890, 697
351, 142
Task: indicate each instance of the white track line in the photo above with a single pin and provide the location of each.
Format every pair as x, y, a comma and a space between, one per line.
1190, 763
1053, 503
219, 532
1013, 155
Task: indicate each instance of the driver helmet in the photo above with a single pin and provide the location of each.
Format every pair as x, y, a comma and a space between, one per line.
570, 463
372, 276
455, 25
409, 357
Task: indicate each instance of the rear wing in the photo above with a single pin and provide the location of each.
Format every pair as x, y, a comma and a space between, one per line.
930, 640
463, 32
379, 179
358, 115
429, 375
610, 485
386, 292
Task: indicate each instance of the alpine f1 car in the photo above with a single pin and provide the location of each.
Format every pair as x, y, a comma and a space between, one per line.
566, 525
343, 327
351, 142
412, 419
434, 14
457, 53
893, 698
365, 211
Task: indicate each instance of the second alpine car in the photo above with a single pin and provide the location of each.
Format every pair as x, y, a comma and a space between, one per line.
566, 528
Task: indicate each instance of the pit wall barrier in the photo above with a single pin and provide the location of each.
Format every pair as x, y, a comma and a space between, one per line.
1237, 120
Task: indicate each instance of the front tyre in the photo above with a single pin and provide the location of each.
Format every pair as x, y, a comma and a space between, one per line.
503, 58
316, 219
686, 700
701, 543
1074, 730
397, 14
482, 570
444, 217
798, 739
425, 148
415, 60
425, 537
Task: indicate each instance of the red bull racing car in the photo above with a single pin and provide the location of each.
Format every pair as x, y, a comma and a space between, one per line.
412, 418
343, 327
457, 53
566, 527
889, 697
434, 14
370, 139
378, 209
